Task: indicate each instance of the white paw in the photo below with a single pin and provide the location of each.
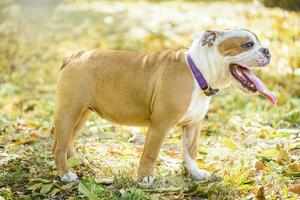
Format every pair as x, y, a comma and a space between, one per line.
147, 182
69, 177
200, 174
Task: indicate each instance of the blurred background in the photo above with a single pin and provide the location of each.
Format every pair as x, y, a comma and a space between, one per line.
35, 35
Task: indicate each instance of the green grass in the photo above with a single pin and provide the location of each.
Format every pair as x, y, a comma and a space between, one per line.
246, 141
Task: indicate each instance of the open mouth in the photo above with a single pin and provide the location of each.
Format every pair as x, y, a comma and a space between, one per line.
250, 82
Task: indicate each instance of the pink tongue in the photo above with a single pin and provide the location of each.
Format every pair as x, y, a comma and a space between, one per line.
260, 87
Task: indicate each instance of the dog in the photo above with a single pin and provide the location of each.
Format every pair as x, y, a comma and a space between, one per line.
159, 90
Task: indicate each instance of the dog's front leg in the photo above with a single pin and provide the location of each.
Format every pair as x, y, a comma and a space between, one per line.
189, 147
154, 140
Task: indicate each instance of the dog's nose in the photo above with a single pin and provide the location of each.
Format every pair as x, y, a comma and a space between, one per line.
265, 51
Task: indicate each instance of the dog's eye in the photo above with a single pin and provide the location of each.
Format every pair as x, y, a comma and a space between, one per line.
248, 45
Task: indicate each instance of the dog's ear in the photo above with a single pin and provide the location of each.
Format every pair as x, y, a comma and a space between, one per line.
209, 37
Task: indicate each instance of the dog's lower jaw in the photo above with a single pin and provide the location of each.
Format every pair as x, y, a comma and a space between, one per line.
69, 177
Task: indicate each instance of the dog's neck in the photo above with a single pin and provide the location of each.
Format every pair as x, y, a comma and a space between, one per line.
211, 65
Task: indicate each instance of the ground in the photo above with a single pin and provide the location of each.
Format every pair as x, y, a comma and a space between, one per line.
253, 146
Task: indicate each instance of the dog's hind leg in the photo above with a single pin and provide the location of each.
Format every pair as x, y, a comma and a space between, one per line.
82, 119
190, 140
70, 111
66, 119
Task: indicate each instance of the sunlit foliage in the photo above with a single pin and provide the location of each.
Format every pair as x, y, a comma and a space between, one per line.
252, 145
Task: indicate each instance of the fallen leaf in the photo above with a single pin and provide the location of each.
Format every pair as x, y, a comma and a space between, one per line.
230, 144
139, 149
114, 152
260, 193
46, 188
259, 166
243, 177
68, 186
35, 186
4, 139
54, 192
202, 150
89, 188
202, 165
170, 152
38, 180
74, 162
295, 188
295, 167
25, 141
269, 154
283, 157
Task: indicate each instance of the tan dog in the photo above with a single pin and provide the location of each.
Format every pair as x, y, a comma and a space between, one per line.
155, 90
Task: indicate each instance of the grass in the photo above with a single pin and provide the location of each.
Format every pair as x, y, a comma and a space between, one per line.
252, 145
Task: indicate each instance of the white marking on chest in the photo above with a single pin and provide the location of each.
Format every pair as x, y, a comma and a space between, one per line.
198, 106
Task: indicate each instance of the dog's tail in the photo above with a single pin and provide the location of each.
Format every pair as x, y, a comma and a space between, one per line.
68, 59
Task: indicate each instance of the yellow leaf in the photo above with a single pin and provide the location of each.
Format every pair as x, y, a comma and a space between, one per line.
295, 167
283, 156
202, 150
243, 177
230, 144
202, 165
269, 153
35, 186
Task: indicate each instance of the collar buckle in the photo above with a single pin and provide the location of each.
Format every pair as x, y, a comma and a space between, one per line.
210, 91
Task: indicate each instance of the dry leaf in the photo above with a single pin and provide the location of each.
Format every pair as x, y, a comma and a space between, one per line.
25, 141
295, 188
295, 167
170, 152
139, 149
230, 144
259, 166
114, 152
260, 193
202, 165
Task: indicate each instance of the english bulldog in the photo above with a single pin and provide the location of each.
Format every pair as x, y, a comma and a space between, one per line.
158, 90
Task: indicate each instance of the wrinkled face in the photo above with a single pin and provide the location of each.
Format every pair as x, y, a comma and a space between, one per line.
242, 51
242, 47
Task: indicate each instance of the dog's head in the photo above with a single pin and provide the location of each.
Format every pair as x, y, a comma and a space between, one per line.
236, 52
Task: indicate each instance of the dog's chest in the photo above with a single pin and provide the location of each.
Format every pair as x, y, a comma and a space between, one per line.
198, 107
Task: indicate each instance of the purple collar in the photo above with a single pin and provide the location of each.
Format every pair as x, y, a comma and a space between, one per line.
208, 91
